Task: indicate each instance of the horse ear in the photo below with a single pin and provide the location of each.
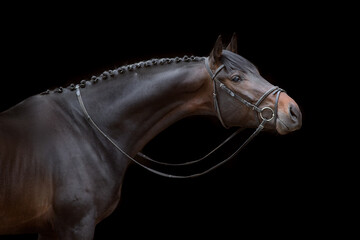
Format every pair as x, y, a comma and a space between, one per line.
232, 44
216, 52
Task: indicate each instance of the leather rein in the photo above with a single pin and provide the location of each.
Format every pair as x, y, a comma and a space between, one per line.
274, 90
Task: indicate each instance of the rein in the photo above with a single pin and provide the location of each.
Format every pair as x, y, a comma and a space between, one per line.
255, 107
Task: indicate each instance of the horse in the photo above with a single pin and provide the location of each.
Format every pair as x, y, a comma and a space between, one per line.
64, 152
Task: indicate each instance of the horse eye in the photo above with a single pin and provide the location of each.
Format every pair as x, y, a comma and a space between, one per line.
236, 78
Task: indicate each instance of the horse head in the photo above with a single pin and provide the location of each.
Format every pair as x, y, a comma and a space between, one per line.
242, 97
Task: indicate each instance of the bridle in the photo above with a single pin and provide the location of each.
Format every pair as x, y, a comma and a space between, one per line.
274, 90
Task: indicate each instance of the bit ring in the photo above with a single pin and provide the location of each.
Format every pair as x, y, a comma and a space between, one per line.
264, 118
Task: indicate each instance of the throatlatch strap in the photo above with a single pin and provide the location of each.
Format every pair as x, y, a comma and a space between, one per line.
215, 100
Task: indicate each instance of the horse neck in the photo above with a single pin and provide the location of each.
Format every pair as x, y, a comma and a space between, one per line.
134, 107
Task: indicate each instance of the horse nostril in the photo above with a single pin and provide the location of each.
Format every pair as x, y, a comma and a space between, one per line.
295, 113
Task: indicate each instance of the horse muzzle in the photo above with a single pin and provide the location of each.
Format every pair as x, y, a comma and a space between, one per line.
289, 115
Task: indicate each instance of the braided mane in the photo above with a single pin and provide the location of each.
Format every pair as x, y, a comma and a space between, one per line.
127, 68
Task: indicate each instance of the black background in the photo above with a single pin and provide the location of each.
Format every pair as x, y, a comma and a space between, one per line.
277, 186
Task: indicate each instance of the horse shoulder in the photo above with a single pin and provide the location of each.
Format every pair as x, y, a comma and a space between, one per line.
25, 186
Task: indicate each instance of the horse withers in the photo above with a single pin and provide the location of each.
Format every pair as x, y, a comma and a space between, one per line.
64, 153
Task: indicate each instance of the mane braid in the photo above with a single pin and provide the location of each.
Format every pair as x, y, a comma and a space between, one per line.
127, 68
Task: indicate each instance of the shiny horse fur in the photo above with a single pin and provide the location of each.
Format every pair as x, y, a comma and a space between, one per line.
59, 177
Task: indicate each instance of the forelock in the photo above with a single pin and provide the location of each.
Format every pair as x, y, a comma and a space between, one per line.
234, 61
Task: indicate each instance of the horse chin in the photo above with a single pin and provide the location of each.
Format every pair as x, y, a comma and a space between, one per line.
281, 127
284, 127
